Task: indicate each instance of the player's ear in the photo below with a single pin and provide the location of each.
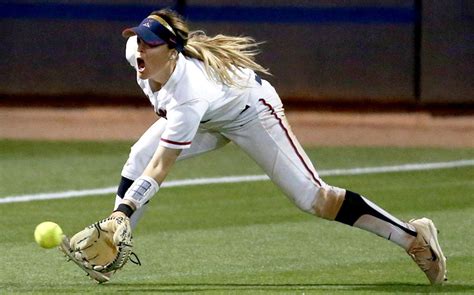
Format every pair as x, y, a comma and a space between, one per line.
173, 55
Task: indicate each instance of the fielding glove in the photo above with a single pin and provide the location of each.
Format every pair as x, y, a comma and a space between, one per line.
101, 248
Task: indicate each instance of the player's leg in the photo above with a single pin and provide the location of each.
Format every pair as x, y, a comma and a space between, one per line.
418, 237
271, 143
268, 139
142, 152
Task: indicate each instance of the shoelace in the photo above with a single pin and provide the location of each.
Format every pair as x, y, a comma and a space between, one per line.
137, 261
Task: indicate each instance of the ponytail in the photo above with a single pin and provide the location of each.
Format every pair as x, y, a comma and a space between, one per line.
223, 56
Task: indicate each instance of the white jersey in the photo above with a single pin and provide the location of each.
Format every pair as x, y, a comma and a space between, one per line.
209, 115
190, 98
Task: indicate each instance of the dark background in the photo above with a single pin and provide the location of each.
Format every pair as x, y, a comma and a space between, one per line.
339, 54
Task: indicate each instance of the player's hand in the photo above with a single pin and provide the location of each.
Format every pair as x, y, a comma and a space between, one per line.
118, 214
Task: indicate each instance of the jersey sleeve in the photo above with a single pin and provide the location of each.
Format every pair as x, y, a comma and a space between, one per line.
182, 124
130, 50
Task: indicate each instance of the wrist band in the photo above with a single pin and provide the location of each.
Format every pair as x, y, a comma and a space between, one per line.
142, 189
125, 209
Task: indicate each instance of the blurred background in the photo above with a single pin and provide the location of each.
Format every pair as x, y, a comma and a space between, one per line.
337, 54
366, 84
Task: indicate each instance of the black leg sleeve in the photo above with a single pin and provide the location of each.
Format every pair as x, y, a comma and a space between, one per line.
354, 206
124, 185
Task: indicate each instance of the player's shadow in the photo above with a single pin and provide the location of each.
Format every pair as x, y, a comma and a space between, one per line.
329, 288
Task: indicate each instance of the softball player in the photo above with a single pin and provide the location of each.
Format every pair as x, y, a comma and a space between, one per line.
207, 93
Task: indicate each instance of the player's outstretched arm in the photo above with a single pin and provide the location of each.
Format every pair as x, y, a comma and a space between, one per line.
161, 163
148, 184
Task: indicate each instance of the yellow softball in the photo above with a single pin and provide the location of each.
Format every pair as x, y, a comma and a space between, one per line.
48, 234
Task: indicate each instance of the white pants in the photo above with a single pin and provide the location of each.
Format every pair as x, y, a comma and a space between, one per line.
262, 132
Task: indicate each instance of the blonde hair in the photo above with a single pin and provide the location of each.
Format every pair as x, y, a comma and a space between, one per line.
223, 56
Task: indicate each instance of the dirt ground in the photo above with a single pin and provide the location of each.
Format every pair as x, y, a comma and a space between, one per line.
312, 128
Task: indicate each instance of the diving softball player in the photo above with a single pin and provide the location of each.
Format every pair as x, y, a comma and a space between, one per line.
208, 93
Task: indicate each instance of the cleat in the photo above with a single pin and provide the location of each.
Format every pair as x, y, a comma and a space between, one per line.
426, 251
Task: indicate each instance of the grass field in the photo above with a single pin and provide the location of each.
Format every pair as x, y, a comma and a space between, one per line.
239, 238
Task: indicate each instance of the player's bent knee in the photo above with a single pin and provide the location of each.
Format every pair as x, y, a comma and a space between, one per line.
328, 202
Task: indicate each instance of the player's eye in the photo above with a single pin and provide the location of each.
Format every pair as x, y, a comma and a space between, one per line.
141, 42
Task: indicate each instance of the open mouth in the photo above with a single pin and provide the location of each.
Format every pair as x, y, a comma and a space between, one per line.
140, 64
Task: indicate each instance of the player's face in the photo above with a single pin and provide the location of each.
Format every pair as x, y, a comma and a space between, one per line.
154, 63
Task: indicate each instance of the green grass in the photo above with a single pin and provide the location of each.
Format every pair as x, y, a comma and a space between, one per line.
233, 238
